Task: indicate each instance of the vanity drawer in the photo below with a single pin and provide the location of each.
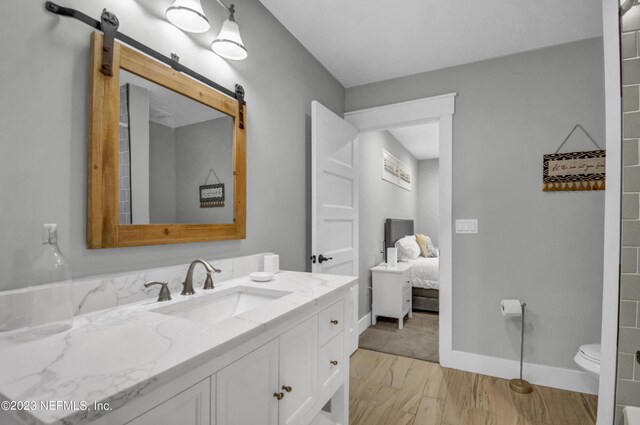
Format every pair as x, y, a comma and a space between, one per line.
330, 365
331, 321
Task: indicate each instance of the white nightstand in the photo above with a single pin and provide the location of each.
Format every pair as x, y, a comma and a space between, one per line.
391, 292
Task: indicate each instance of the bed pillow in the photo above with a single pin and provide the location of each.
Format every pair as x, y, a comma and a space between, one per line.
408, 248
427, 249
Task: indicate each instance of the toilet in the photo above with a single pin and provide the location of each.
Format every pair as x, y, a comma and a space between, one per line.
631, 415
588, 358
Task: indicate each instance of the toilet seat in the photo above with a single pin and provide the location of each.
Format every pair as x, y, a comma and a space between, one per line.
588, 358
591, 352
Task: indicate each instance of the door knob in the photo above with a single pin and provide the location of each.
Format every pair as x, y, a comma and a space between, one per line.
334, 362
334, 322
287, 388
322, 258
279, 396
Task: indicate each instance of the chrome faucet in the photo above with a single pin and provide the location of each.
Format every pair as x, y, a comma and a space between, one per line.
188, 281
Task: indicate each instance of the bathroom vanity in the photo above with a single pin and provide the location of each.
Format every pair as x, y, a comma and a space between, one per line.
242, 353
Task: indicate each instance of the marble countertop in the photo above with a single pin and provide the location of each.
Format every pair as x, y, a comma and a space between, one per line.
115, 355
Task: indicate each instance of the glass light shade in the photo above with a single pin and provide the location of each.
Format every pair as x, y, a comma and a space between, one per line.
228, 43
188, 16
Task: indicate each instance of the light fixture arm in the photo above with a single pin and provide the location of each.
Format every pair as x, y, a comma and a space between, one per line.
230, 9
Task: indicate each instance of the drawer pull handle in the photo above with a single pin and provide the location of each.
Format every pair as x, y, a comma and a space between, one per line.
334, 362
334, 322
279, 396
287, 388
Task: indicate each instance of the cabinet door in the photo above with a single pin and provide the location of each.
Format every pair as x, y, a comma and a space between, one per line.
245, 389
298, 370
190, 407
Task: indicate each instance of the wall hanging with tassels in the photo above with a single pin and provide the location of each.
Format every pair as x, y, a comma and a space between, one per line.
574, 170
212, 195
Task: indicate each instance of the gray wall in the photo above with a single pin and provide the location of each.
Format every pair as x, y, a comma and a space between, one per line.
379, 200
543, 248
43, 116
428, 200
162, 174
628, 373
200, 147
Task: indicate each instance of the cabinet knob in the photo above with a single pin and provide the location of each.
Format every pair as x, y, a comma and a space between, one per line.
287, 388
334, 362
334, 322
279, 396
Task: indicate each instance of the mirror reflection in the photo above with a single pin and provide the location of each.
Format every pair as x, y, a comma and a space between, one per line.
175, 157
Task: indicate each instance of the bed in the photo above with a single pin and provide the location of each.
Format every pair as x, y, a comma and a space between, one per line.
425, 277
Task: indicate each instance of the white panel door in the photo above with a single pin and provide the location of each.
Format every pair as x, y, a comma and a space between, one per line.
190, 407
298, 371
334, 233
245, 389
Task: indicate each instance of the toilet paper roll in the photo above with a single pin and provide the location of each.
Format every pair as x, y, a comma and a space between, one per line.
272, 263
392, 257
511, 308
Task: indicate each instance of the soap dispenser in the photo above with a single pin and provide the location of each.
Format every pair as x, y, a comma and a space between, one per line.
50, 296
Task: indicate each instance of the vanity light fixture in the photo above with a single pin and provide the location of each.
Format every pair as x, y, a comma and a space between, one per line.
228, 43
188, 16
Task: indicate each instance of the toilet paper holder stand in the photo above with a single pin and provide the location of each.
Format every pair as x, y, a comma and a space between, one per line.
520, 385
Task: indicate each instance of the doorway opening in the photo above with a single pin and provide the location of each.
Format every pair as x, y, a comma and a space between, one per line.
433, 111
399, 214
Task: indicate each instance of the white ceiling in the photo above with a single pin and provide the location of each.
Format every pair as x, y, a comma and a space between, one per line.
363, 41
422, 141
169, 108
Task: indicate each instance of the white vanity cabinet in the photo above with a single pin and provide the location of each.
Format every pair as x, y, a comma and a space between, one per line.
275, 384
284, 375
190, 407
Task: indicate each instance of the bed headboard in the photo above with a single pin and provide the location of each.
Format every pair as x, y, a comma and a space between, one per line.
394, 229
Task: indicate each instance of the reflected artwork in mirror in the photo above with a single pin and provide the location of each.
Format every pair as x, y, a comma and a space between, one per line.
167, 155
170, 147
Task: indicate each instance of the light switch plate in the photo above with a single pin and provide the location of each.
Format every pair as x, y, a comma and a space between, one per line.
467, 226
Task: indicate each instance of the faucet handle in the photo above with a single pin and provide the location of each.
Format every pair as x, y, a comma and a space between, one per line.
165, 294
208, 283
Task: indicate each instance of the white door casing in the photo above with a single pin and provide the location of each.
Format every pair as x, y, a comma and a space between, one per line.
403, 114
334, 198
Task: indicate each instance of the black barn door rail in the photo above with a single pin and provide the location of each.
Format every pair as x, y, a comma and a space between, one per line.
108, 24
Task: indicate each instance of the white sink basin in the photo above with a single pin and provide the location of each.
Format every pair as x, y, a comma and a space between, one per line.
223, 305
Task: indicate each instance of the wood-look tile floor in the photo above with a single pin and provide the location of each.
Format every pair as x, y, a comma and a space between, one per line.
393, 390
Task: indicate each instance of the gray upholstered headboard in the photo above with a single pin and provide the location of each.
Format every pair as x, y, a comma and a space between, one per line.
394, 229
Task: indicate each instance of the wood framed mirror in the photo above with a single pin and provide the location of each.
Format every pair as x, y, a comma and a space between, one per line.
167, 155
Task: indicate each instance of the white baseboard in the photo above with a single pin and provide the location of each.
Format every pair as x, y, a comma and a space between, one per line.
548, 376
364, 323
